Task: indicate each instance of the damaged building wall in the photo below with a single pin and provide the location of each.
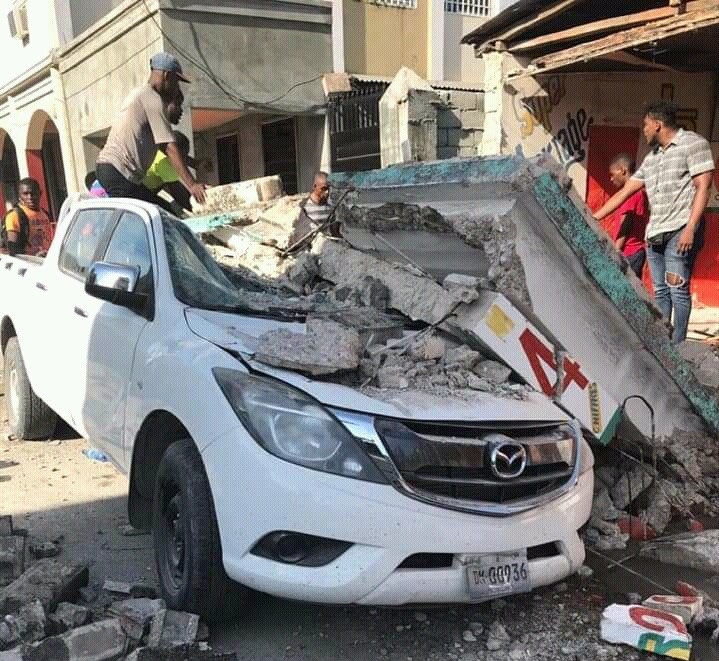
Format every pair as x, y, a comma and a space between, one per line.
573, 279
559, 114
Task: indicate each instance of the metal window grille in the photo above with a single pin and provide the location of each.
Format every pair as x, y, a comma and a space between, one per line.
469, 7
404, 4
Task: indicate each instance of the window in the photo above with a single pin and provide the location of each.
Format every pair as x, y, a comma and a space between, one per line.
469, 7
404, 4
228, 159
129, 246
81, 243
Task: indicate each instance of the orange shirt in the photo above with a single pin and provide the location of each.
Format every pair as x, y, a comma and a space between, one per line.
40, 229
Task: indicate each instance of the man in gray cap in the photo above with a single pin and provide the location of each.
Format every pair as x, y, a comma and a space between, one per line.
142, 128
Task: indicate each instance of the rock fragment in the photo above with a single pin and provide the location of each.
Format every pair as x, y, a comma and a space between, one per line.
171, 629
100, 641
630, 486
135, 615
69, 616
693, 550
12, 558
326, 348
50, 581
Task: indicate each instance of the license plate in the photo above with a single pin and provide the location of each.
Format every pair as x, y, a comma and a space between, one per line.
498, 575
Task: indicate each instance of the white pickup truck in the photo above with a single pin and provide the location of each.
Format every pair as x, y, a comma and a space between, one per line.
253, 477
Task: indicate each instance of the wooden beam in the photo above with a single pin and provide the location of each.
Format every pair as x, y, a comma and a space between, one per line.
695, 20
629, 58
556, 8
588, 29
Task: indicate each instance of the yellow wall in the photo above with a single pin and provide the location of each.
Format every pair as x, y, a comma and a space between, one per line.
379, 39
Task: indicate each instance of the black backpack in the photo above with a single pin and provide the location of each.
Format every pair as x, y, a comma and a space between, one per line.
23, 235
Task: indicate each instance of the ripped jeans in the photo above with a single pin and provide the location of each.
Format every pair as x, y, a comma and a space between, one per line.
671, 277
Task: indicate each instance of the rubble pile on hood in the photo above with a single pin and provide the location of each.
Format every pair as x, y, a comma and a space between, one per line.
371, 322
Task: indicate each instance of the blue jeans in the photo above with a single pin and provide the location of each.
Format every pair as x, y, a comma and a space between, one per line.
671, 277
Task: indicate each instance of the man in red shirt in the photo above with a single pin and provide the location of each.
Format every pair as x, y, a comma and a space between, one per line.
629, 226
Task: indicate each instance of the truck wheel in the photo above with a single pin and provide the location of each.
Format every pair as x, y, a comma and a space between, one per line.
187, 542
29, 417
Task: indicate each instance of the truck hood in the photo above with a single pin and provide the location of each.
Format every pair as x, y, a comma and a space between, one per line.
239, 333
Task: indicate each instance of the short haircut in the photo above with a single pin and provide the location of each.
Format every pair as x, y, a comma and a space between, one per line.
29, 181
90, 179
321, 175
182, 142
663, 111
626, 161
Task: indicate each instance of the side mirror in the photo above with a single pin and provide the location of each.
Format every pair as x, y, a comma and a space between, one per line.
115, 283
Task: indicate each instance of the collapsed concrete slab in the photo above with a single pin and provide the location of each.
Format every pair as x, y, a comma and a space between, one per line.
577, 284
171, 629
136, 615
416, 296
49, 581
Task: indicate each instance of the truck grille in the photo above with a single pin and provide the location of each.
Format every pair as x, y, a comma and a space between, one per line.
454, 463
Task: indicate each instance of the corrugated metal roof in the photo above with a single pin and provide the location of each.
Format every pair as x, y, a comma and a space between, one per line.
436, 84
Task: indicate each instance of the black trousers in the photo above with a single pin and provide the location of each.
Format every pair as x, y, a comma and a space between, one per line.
116, 185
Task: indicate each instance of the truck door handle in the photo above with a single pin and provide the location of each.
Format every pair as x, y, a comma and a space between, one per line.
41, 286
80, 312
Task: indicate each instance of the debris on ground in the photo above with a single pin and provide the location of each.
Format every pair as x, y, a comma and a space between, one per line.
693, 550
41, 550
173, 629
687, 608
646, 629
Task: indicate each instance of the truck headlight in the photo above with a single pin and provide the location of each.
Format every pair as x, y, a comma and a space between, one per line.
292, 426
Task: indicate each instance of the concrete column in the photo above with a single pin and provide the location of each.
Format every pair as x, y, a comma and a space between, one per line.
73, 178
338, 36
408, 120
435, 45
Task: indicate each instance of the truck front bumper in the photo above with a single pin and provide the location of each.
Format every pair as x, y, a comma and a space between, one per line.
256, 494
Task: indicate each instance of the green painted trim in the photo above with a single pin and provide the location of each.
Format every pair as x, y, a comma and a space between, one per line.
611, 428
592, 251
201, 224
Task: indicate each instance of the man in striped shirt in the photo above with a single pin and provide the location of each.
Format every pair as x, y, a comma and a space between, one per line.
677, 176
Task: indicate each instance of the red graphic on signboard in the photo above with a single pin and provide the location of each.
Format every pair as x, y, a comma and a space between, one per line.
538, 353
657, 620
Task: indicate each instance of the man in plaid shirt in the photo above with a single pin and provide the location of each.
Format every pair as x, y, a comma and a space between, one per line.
677, 177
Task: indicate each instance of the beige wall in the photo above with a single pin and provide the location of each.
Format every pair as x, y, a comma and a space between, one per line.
558, 123
380, 40
460, 62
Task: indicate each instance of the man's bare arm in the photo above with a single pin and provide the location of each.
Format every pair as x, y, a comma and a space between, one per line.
178, 162
621, 196
702, 189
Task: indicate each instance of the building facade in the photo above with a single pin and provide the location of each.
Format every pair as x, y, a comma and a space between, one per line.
255, 106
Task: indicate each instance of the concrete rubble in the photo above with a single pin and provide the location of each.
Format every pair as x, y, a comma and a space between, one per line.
693, 550
173, 629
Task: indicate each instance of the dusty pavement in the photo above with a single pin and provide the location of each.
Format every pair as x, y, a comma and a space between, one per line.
55, 492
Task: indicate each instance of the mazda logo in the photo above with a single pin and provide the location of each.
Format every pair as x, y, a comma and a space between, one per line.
507, 459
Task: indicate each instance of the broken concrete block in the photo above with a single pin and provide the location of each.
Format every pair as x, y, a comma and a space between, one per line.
460, 280
646, 629
5, 525
659, 511
29, 622
630, 486
704, 358
173, 629
416, 296
684, 607
135, 615
143, 591
49, 581
612, 542
12, 655
429, 347
462, 357
69, 616
117, 587
12, 558
603, 508
229, 197
8, 633
492, 371
694, 550
392, 377
100, 641
326, 347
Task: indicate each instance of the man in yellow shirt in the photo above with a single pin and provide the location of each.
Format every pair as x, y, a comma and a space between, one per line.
161, 174
27, 228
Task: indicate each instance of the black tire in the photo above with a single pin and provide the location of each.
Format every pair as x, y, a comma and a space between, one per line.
29, 417
188, 553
